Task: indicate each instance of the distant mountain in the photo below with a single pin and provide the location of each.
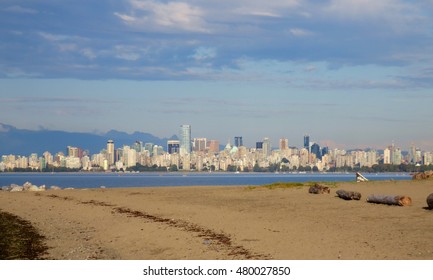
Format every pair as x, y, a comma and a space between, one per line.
24, 142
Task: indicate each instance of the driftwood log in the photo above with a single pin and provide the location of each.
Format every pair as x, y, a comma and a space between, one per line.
348, 195
430, 201
318, 189
390, 199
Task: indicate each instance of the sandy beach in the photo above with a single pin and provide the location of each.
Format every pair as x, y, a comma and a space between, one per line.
227, 223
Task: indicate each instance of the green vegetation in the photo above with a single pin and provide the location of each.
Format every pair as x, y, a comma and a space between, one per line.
380, 168
290, 185
143, 168
19, 240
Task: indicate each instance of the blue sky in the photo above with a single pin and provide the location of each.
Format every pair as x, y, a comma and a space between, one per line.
351, 73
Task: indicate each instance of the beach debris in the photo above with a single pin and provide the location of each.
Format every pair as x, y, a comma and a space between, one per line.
27, 186
16, 188
360, 178
430, 201
400, 200
318, 189
348, 195
423, 175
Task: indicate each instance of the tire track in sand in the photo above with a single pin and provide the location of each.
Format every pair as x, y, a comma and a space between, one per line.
210, 236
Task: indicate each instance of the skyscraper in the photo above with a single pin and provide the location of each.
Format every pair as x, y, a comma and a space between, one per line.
214, 146
110, 152
315, 149
238, 141
267, 147
173, 146
185, 139
199, 144
284, 144
307, 142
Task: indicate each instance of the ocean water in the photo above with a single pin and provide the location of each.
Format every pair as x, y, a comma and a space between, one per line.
117, 180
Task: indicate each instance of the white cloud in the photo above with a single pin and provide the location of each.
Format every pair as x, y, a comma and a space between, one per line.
397, 13
89, 53
298, 32
168, 16
203, 53
20, 10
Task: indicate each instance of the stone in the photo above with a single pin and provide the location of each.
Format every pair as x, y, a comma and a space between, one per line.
16, 189
6, 188
33, 188
55, 188
27, 185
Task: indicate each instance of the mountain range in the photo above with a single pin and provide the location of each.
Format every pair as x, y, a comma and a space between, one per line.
24, 142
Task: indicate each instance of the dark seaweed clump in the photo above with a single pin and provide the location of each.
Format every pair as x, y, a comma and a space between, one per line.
19, 240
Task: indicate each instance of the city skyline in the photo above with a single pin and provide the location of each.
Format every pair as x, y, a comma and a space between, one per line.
353, 73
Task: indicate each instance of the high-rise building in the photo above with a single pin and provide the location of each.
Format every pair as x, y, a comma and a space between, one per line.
259, 145
315, 149
307, 142
138, 146
110, 152
387, 156
173, 146
267, 147
214, 146
185, 139
284, 144
238, 141
199, 144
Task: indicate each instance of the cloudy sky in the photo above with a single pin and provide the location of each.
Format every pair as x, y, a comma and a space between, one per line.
351, 73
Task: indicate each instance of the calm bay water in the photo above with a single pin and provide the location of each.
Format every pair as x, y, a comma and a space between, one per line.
117, 180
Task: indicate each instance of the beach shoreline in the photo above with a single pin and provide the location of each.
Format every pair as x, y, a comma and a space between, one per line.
229, 222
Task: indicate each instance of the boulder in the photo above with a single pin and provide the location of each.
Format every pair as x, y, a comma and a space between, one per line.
42, 187
55, 188
33, 188
16, 188
27, 185
6, 188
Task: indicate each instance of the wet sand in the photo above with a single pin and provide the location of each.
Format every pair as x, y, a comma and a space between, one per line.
227, 223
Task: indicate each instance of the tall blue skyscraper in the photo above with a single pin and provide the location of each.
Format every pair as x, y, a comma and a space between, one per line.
307, 142
238, 141
185, 139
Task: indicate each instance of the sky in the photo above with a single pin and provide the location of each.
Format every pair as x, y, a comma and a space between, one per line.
350, 73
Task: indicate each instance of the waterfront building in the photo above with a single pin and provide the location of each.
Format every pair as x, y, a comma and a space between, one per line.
307, 142
387, 156
185, 139
315, 149
138, 146
267, 148
110, 152
199, 144
149, 147
238, 141
214, 146
284, 144
173, 146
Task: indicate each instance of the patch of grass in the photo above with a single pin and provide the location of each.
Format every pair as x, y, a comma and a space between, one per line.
19, 240
289, 185
278, 185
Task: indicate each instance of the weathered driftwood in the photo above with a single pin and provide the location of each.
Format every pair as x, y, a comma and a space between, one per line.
348, 195
430, 201
318, 189
390, 199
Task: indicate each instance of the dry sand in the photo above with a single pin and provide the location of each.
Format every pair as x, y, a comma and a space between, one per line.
229, 222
